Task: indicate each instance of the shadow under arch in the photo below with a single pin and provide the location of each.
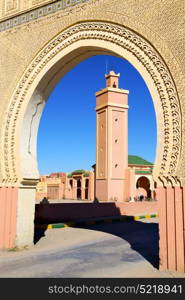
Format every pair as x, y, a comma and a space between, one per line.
142, 237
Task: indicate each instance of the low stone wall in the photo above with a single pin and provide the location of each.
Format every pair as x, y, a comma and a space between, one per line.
137, 208
58, 212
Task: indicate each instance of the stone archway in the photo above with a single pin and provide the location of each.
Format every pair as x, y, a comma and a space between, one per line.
60, 55
144, 183
20, 123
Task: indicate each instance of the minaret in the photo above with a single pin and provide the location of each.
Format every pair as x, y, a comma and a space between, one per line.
111, 140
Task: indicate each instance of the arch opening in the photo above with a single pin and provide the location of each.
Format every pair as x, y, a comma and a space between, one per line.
70, 117
143, 186
39, 99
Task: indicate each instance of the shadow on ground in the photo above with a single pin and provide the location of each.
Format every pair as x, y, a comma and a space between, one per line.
50, 213
39, 233
143, 237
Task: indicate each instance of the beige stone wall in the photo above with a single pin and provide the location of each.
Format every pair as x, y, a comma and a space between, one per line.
159, 22
41, 187
9, 8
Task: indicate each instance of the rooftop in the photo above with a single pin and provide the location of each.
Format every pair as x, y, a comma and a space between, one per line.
137, 160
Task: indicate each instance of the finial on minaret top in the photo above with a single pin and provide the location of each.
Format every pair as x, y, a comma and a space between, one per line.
112, 79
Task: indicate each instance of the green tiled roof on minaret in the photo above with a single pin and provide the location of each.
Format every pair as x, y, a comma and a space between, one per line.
136, 160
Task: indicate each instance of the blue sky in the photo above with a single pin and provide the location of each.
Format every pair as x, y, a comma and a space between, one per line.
67, 132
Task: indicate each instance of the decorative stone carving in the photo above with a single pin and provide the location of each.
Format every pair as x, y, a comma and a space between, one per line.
35, 2
38, 8
169, 116
11, 5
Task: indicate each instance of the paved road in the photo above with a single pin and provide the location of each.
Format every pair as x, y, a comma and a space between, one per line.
107, 250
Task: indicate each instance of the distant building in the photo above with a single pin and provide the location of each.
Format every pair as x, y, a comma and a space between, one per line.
76, 185
143, 183
80, 184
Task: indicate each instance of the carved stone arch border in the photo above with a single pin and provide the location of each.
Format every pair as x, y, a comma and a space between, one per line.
168, 114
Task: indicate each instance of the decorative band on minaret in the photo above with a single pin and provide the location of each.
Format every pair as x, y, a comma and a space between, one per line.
111, 140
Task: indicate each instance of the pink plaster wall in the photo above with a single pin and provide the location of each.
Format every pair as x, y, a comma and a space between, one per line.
115, 190
129, 185
118, 98
118, 142
112, 141
171, 228
40, 196
69, 193
138, 208
8, 211
101, 147
112, 80
140, 191
101, 189
91, 186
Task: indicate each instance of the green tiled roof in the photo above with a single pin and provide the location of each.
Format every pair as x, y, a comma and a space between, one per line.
132, 160
136, 160
86, 174
143, 172
81, 171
